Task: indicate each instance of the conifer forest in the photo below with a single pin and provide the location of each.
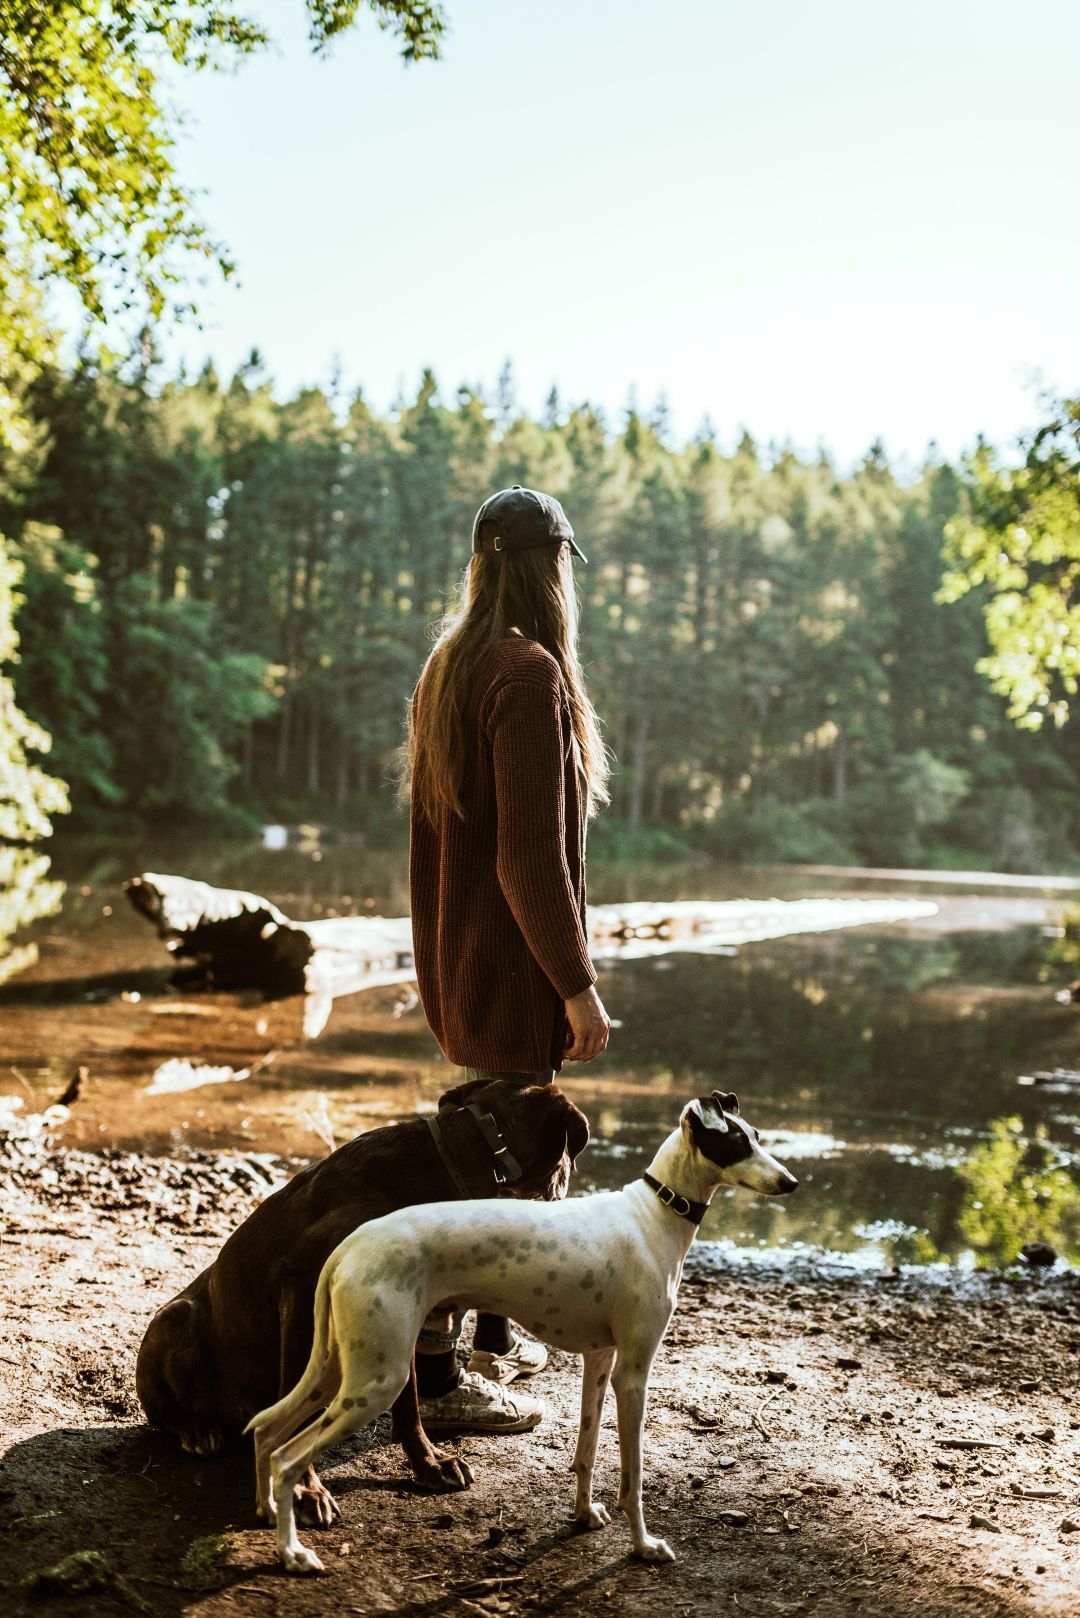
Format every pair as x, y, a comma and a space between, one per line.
226, 596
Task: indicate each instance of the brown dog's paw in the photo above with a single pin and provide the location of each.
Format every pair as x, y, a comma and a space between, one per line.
315, 1505
202, 1440
444, 1474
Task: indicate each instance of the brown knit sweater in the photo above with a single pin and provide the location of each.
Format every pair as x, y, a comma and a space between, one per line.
498, 899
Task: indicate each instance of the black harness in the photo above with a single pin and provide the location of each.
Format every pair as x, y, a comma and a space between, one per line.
506, 1168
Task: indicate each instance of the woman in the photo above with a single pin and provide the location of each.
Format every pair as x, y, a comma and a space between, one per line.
505, 763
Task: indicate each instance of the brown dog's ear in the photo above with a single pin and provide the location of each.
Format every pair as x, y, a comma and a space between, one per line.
729, 1102
577, 1131
565, 1129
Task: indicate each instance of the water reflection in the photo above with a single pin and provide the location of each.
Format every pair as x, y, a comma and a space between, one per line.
1017, 1190
27, 894
882, 1064
885, 1062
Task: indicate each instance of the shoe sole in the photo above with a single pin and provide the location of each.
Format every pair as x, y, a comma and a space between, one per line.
505, 1381
525, 1425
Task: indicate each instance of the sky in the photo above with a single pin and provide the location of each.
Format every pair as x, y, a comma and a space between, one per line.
828, 221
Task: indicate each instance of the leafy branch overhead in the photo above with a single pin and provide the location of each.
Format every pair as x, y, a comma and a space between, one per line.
90, 200
1019, 542
89, 191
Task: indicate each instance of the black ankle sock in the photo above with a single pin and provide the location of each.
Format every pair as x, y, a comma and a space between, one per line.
493, 1334
437, 1374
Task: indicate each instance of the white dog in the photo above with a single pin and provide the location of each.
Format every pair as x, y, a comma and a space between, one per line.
597, 1275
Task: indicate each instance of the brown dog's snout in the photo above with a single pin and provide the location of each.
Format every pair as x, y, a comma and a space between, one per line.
787, 1184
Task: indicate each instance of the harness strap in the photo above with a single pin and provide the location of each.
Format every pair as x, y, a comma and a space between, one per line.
693, 1211
504, 1157
447, 1161
507, 1170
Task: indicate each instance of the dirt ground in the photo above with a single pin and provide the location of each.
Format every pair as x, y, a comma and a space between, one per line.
804, 1449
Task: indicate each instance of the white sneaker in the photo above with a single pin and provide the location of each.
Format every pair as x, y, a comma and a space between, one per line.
481, 1406
524, 1358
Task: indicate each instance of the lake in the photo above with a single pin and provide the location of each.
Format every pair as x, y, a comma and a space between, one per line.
885, 1063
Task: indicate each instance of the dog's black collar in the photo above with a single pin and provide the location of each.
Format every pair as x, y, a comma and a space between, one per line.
693, 1211
507, 1168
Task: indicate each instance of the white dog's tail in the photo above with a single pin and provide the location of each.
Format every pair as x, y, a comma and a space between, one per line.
320, 1349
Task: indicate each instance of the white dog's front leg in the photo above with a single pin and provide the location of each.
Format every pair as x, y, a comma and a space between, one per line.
631, 1388
595, 1371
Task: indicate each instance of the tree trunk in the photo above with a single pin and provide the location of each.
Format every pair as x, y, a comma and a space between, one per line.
284, 734
313, 751
840, 768
639, 750
247, 748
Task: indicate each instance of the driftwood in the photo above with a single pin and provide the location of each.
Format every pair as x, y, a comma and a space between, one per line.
240, 940
232, 939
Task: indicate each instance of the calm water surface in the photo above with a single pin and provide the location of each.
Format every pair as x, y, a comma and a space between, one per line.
884, 1064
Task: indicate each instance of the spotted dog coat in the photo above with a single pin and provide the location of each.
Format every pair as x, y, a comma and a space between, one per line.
596, 1275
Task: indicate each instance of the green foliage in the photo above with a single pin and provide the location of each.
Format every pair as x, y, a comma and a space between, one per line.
26, 895
28, 796
1065, 951
180, 703
1016, 1192
419, 24
768, 831
205, 1560
89, 192
1019, 546
64, 668
913, 794
80, 1574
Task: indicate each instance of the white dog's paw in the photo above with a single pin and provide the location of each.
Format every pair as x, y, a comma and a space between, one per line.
265, 1511
301, 1560
597, 1516
654, 1550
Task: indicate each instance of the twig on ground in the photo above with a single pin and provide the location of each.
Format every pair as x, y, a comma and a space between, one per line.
969, 1443
479, 1586
759, 1424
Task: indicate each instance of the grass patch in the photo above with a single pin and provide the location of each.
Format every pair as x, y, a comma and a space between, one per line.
206, 1559
80, 1574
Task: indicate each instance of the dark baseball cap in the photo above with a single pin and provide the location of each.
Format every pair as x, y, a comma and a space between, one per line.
522, 519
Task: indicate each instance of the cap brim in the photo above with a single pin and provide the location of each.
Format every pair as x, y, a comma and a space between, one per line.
580, 554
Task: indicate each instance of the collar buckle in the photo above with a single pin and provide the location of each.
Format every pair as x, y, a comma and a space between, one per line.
694, 1211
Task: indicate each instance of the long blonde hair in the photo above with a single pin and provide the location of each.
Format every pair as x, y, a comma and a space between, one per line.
530, 590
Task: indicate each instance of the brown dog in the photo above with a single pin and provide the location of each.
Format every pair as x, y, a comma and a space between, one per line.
238, 1337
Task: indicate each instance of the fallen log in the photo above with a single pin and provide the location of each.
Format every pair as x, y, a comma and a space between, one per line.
232, 939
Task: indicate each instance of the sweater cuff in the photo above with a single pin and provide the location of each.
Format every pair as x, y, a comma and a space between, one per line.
574, 989
569, 988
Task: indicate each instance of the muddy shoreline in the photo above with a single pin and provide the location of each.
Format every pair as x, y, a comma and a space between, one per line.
822, 1407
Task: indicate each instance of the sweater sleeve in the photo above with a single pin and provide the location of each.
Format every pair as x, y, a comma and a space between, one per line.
524, 726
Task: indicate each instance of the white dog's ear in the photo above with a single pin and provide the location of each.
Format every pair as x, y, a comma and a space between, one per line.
706, 1114
728, 1102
